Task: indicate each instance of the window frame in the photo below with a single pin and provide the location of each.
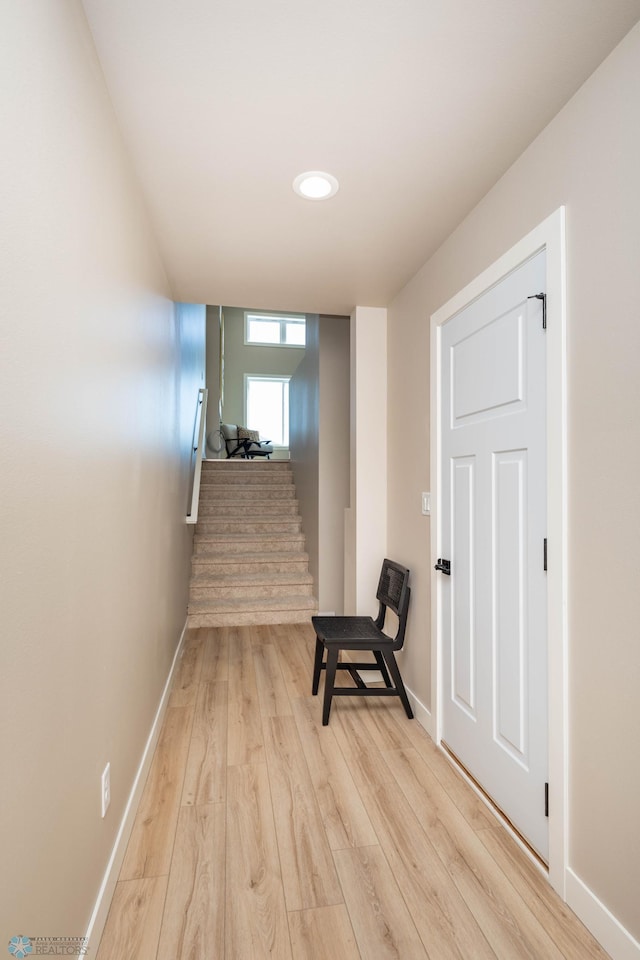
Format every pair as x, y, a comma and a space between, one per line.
283, 319
280, 378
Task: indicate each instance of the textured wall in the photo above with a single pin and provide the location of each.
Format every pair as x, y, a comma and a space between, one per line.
319, 394
98, 393
304, 442
366, 545
333, 466
588, 159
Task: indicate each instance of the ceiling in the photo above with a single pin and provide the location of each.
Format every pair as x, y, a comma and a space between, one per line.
416, 106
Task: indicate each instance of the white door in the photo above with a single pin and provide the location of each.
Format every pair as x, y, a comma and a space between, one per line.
493, 529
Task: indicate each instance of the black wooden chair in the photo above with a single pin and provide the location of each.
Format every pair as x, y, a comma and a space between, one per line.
334, 634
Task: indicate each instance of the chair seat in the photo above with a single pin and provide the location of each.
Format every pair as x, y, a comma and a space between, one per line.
262, 449
351, 630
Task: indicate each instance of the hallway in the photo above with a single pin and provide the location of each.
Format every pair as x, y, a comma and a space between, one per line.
262, 834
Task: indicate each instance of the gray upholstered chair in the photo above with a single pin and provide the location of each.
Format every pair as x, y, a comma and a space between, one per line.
245, 447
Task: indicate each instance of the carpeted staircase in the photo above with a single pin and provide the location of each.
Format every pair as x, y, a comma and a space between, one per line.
249, 562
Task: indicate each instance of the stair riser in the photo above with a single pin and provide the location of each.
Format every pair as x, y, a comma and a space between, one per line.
248, 513
257, 479
217, 550
244, 527
213, 593
294, 601
249, 510
258, 466
211, 492
261, 579
245, 619
245, 567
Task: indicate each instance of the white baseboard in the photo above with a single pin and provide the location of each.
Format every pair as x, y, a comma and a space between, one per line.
421, 713
609, 932
108, 885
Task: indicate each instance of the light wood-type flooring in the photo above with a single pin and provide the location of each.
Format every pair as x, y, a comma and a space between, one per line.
262, 834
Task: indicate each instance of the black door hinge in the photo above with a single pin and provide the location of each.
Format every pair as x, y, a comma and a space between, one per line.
543, 297
545, 554
546, 799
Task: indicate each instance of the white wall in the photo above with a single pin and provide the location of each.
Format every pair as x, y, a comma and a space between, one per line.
98, 393
304, 443
588, 158
334, 462
366, 533
319, 406
213, 383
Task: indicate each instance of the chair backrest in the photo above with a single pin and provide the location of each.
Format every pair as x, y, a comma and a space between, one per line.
230, 433
394, 592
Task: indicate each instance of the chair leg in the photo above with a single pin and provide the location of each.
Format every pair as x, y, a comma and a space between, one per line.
397, 679
382, 668
317, 666
329, 681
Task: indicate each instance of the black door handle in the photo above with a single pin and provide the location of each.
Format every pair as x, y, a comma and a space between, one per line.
444, 566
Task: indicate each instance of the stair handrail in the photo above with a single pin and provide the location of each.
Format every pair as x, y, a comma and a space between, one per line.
201, 419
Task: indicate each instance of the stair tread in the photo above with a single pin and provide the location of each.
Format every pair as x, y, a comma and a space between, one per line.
249, 563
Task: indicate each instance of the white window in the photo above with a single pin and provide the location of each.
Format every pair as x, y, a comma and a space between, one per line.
267, 407
274, 330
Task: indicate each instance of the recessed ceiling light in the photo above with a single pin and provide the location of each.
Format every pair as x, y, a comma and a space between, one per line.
315, 185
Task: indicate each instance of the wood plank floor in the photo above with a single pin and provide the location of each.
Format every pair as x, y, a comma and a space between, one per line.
261, 833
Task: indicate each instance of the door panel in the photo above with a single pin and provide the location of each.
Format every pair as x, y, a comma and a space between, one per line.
463, 614
509, 600
493, 503
480, 388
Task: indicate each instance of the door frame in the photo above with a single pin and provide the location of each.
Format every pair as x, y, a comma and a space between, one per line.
548, 236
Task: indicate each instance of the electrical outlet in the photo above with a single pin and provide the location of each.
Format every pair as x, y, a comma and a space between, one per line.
105, 793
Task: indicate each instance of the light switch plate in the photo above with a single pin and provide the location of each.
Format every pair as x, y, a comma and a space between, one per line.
426, 504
